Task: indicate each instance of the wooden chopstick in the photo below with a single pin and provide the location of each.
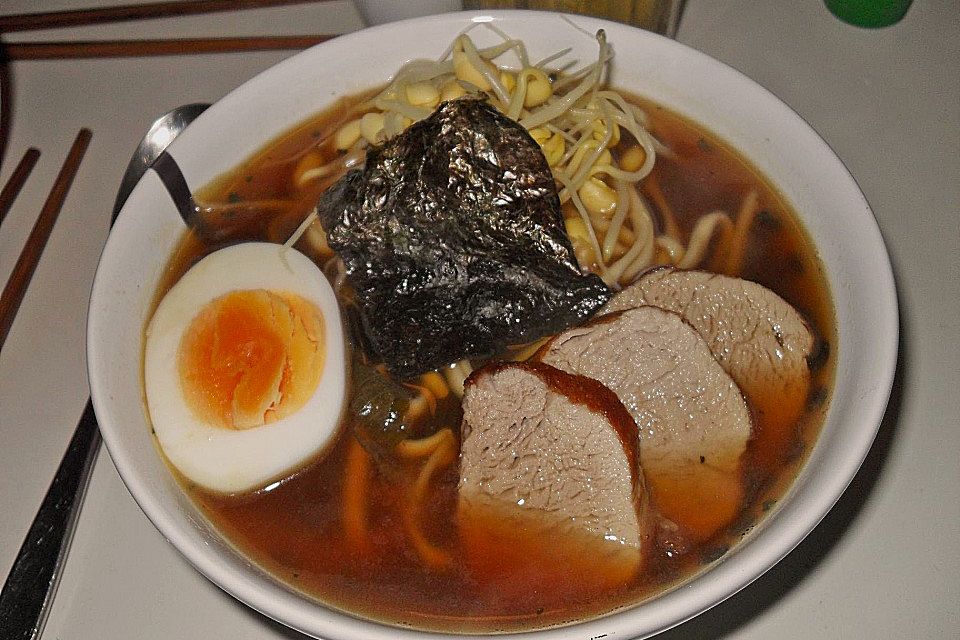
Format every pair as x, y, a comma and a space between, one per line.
99, 15
135, 48
23, 270
19, 176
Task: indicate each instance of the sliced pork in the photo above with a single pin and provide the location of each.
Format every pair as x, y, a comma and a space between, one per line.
693, 422
550, 479
757, 337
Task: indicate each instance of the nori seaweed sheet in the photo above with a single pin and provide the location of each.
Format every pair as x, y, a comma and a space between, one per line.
453, 240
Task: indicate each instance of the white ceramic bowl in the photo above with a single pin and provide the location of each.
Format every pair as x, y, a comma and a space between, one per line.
765, 130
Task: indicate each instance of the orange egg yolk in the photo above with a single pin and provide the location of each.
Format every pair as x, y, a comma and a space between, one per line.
251, 357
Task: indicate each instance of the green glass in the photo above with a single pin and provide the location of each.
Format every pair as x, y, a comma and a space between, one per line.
869, 13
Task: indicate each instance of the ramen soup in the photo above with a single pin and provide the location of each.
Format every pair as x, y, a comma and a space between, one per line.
372, 522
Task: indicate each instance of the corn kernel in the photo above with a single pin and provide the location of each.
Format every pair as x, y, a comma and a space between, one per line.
633, 158
600, 131
541, 135
605, 159
347, 135
597, 197
539, 88
508, 81
588, 148
552, 144
580, 239
576, 230
371, 127
451, 91
423, 94
554, 149
467, 72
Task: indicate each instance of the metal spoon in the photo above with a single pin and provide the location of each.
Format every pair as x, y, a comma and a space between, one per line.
32, 583
159, 136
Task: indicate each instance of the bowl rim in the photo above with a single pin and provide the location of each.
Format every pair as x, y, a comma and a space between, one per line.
779, 533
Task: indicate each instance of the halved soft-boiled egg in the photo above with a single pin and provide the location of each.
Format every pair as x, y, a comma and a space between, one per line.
244, 367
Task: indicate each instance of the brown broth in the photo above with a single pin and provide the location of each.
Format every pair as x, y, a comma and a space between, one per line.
294, 531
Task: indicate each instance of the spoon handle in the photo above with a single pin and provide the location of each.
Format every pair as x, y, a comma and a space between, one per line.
33, 580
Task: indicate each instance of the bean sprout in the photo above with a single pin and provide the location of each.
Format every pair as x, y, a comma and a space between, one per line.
583, 126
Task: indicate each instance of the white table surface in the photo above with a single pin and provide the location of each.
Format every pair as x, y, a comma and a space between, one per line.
885, 563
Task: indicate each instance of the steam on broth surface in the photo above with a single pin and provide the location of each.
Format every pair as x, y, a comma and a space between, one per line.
378, 537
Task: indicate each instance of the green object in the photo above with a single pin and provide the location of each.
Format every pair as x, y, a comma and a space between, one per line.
869, 13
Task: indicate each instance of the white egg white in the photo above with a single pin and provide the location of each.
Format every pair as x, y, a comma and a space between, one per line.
225, 460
